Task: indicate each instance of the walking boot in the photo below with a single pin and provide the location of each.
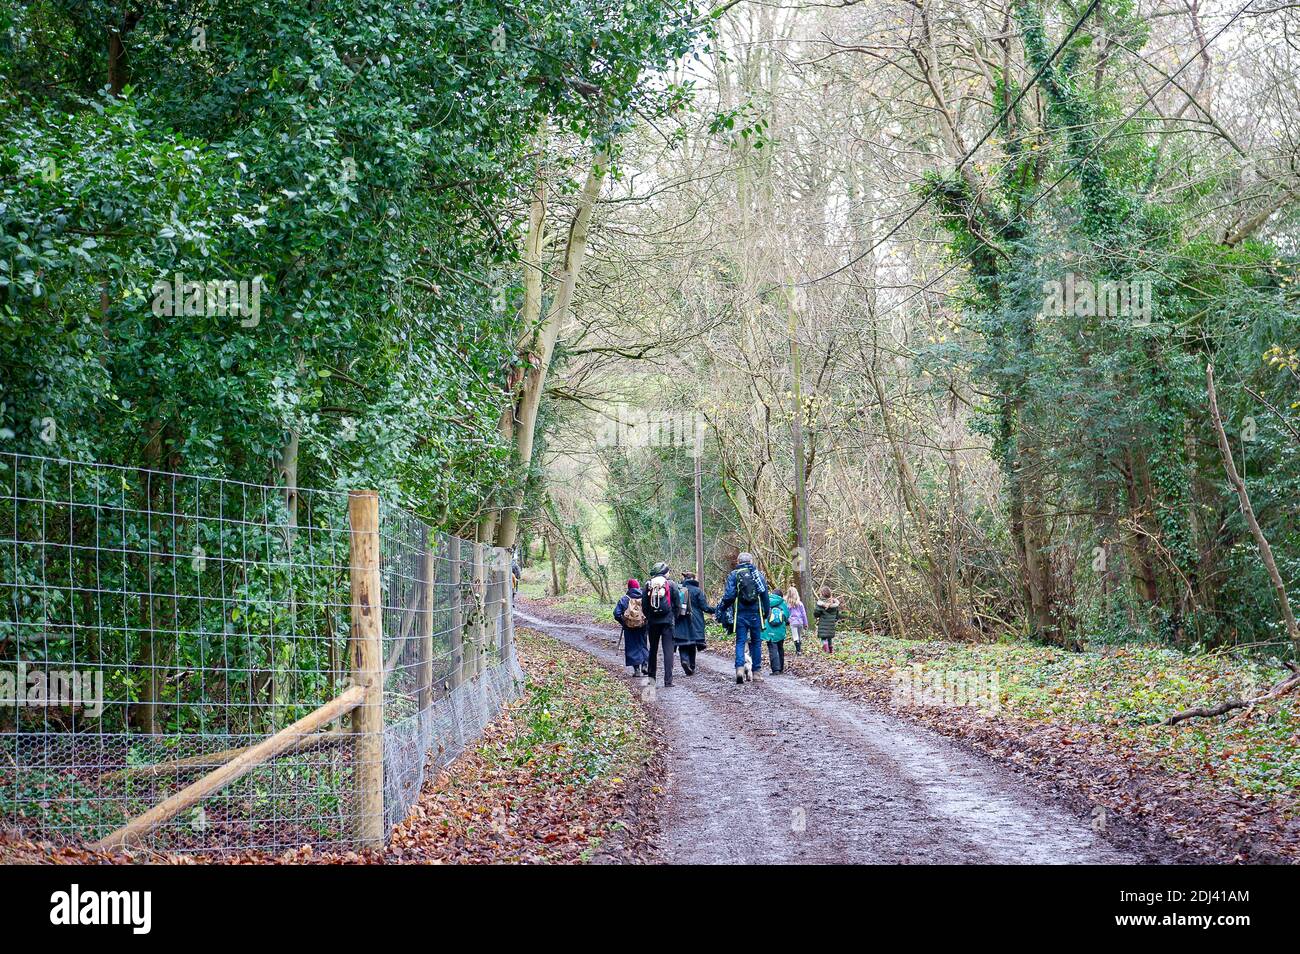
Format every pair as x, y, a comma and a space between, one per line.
740, 675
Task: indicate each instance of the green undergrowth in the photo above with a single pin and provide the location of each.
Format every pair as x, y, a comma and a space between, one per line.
1129, 691
578, 724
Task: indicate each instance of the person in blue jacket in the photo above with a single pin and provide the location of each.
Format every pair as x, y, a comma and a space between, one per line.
746, 592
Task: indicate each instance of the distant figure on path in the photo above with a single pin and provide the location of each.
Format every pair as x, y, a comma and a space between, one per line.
689, 634
747, 592
827, 614
798, 617
630, 616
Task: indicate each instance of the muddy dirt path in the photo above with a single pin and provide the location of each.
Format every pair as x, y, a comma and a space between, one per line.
784, 771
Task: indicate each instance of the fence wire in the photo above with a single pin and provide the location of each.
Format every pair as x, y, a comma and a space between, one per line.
156, 626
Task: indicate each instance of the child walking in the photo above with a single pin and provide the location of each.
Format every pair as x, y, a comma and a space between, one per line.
798, 618
778, 616
827, 615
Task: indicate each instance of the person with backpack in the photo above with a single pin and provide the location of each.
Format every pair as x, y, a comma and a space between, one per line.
662, 602
827, 615
798, 617
778, 615
746, 594
689, 633
630, 616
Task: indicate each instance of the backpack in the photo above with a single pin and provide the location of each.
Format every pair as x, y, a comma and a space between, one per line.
747, 585
684, 602
775, 617
661, 594
633, 616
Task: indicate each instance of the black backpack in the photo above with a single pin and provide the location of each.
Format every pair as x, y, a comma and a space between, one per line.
747, 585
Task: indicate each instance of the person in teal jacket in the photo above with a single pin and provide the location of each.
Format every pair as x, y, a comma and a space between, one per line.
778, 617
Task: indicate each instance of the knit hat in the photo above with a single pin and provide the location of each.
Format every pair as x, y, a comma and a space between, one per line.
659, 569
633, 584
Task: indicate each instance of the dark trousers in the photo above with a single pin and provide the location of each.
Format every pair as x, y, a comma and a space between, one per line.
776, 655
688, 658
662, 633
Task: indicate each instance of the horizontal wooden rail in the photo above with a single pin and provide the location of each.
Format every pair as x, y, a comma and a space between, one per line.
233, 770
215, 759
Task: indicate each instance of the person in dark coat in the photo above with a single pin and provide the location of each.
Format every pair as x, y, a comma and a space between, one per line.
659, 600
689, 632
635, 647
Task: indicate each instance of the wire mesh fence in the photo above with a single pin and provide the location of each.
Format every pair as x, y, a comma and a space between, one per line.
161, 629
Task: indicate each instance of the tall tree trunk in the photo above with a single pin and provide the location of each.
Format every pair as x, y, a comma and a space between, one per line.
117, 73
530, 320
1144, 574
555, 571
1248, 512
699, 515
956, 508
803, 571
542, 345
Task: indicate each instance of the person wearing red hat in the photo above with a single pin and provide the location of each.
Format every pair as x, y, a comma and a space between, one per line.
636, 646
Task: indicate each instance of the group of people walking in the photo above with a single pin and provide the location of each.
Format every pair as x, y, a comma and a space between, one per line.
668, 615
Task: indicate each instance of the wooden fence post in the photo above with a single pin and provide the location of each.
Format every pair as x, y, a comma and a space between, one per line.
365, 651
425, 697
480, 602
500, 600
508, 639
457, 618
